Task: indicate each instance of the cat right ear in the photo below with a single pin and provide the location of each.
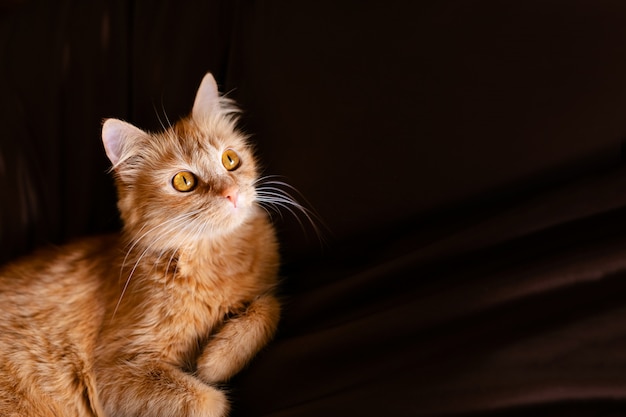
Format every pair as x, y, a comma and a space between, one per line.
207, 98
116, 136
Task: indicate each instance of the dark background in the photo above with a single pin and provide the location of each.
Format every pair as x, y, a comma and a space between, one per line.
465, 159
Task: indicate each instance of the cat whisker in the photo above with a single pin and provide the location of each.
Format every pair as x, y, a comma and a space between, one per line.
156, 112
276, 205
167, 119
277, 195
193, 235
129, 250
196, 233
135, 242
130, 276
267, 208
264, 179
169, 124
164, 229
264, 183
272, 195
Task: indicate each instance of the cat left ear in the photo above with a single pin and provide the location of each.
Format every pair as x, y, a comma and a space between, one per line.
116, 135
207, 98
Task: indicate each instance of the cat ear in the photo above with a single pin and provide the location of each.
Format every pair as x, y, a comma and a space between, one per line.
115, 134
207, 98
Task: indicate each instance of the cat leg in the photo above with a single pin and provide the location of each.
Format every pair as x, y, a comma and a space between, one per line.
240, 338
158, 390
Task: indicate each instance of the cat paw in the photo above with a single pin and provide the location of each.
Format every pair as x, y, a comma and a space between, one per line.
212, 403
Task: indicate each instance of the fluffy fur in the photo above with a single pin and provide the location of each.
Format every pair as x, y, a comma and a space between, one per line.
148, 322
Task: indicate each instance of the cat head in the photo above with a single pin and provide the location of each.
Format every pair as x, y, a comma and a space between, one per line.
193, 181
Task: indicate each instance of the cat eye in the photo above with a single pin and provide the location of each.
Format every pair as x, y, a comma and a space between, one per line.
184, 181
230, 160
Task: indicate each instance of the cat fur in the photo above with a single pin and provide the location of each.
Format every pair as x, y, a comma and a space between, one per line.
150, 321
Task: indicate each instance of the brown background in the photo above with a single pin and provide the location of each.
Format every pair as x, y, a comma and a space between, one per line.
466, 159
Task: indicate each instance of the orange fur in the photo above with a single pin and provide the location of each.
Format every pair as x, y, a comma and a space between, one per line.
145, 323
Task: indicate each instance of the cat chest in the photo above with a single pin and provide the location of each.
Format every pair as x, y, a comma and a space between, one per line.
185, 321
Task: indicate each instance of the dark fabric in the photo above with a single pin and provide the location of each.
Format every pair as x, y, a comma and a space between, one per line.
465, 160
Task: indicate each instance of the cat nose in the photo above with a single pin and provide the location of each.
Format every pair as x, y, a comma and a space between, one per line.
232, 195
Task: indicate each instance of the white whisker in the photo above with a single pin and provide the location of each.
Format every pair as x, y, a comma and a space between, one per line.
276, 195
161, 231
169, 124
271, 195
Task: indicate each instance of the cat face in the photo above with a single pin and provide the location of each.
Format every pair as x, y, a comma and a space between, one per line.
193, 181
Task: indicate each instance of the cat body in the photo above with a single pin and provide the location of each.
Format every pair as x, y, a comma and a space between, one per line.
146, 323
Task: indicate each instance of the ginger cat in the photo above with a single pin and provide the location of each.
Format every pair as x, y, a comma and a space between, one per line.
147, 322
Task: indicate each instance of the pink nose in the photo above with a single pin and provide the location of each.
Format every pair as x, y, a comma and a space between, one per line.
232, 194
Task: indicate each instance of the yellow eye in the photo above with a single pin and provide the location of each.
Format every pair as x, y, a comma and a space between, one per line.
184, 181
230, 160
